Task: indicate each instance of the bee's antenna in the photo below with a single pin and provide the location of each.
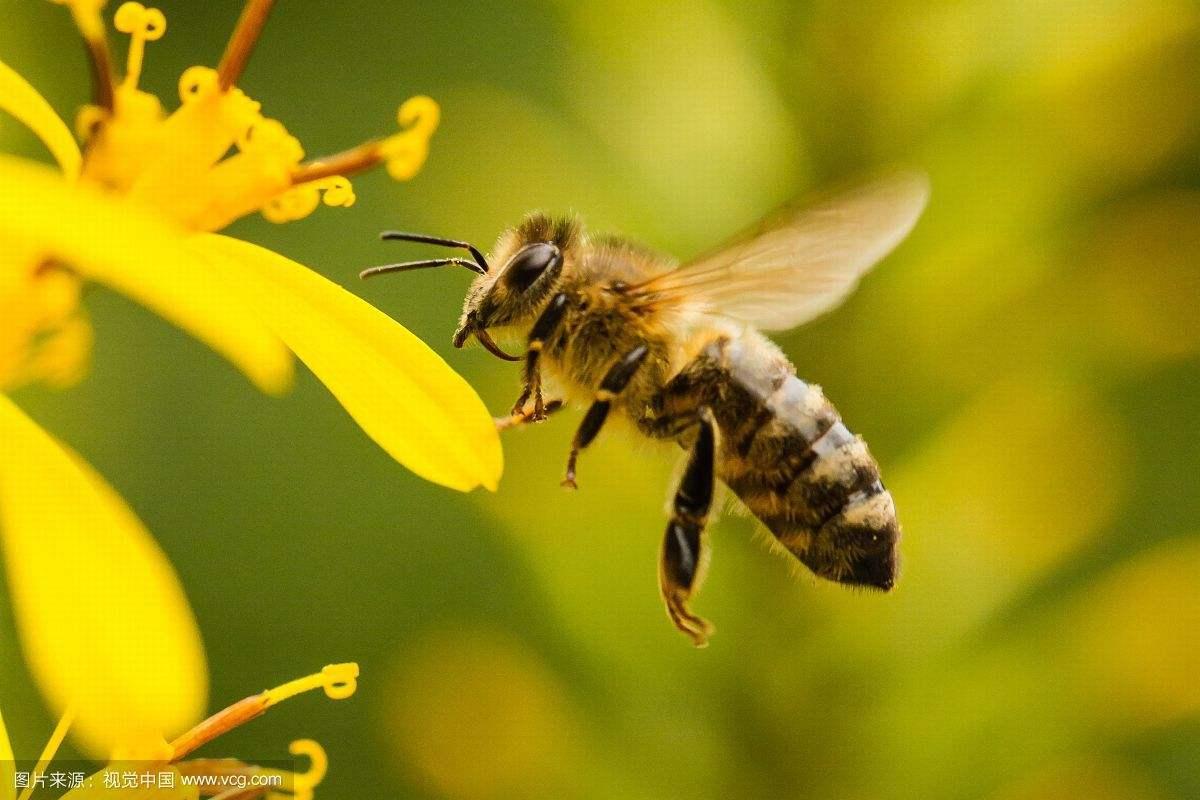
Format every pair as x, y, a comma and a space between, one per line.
425, 239
430, 262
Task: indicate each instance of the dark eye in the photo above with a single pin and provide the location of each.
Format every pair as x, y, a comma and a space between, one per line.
531, 262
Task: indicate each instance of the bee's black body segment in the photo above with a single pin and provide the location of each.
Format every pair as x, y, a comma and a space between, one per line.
787, 455
798, 468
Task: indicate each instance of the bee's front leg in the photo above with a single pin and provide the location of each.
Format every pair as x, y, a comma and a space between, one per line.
522, 416
518, 409
543, 329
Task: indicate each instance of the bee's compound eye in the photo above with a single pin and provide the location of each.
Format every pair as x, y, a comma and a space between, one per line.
530, 263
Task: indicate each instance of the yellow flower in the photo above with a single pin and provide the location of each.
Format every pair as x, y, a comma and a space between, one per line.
136, 209
8, 788
166, 775
103, 622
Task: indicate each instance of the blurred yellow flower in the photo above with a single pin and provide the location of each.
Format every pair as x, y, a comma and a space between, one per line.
478, 715
104, 624
8, 790
126, 210
1132, 639
164, 775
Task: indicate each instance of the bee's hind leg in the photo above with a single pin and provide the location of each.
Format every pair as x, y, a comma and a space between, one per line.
684, 553
615, 380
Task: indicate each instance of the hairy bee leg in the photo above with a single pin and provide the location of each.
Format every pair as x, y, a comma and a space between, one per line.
543, 329
683, 553
524, 417
614, 382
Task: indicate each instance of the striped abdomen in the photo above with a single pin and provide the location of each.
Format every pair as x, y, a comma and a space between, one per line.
789, 458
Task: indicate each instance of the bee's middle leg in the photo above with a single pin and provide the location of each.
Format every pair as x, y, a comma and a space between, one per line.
684, 552
615, 380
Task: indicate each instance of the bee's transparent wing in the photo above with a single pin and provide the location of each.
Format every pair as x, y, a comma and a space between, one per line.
801, 263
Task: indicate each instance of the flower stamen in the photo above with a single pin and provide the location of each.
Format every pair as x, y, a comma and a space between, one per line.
338, 680
348, 162
404, 152
303, 783
222, 722
325, 179
241, 43
143, 25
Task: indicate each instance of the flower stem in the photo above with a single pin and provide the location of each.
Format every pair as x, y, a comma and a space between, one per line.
241, 43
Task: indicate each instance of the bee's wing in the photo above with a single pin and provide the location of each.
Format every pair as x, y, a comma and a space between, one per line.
800, 263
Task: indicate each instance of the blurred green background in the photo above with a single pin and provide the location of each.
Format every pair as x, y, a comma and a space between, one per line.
1025, 368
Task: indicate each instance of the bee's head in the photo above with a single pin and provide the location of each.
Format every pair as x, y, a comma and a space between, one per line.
513, 285
526, 265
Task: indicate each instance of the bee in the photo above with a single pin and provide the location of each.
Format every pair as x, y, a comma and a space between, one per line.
678, 349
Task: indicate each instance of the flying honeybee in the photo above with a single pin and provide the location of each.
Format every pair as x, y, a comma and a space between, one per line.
677, 349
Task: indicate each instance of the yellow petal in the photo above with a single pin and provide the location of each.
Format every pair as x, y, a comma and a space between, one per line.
103, 621
8, 787
142, 256
20, 99
394, 386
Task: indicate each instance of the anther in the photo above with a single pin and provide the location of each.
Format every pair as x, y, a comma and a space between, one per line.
303, 783
338, 680
143, 25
